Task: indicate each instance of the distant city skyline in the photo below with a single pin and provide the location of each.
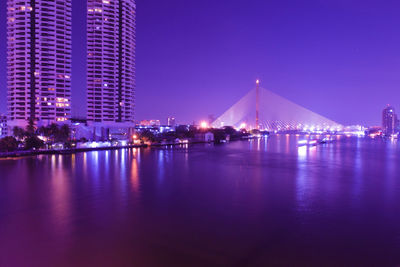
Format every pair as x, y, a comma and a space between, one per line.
336, 58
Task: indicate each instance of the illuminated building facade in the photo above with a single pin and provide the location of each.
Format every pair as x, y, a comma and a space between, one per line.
171, 121
38, 61
389, 121
111, 45
3, 126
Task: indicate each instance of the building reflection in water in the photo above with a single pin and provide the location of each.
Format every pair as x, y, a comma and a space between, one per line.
287, 143
163, 160
123, 163
390, 171
278, 143
266, 143
303, 179
135, 171
53, 162
85, 171
94, 164
73, 162
357, 173
116, 157
107, 161
60, 196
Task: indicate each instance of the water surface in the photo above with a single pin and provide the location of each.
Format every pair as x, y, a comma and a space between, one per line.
247, 203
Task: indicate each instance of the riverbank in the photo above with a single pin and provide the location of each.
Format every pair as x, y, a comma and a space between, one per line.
25, 153
22, 153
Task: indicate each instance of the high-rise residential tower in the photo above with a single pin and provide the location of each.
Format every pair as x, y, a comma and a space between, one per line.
38, 61
389, 120
111, 43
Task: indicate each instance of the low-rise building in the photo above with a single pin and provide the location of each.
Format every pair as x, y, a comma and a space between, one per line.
204, 137
144, 123
154, 123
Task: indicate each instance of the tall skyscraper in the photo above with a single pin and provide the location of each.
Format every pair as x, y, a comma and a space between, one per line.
389, 120
38, 61
111, 43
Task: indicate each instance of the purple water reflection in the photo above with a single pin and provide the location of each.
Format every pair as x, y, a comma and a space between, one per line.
249, 203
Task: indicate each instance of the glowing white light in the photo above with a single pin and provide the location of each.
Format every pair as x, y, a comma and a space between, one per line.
203, 125
312, 142
123, 143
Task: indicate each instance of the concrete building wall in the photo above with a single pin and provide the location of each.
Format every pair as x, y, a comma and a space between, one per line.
39, 61
111, 45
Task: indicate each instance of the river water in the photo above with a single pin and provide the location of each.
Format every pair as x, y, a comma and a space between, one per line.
246, 203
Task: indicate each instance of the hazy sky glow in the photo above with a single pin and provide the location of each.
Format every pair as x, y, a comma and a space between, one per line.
338, 58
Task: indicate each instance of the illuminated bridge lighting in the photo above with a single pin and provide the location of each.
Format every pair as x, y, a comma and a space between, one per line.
275, 114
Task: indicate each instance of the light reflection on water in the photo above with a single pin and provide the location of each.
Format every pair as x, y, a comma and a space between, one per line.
255, 202
135, 171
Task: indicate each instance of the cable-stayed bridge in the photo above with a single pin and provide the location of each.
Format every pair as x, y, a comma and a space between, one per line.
263, 109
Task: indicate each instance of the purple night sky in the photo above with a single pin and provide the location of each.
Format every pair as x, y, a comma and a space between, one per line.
338, 58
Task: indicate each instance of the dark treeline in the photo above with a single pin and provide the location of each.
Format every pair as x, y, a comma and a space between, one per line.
190, 132
27, 139
33, 138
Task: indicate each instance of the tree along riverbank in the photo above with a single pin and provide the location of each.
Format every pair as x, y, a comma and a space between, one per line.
24, 153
